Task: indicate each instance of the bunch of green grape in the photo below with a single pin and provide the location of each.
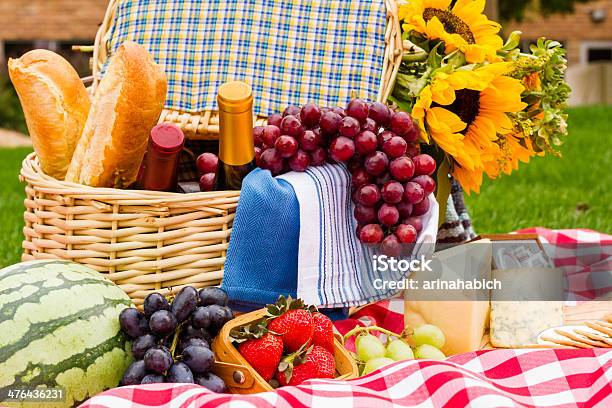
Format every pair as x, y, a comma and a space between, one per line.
373, 354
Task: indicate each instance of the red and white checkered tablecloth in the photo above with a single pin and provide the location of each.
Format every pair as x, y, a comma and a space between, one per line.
492, 378
496, 378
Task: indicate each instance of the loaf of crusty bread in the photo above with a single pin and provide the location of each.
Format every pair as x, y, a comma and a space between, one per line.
55, 103
126, 106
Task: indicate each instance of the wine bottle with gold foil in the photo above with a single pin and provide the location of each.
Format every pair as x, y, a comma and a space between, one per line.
236, 146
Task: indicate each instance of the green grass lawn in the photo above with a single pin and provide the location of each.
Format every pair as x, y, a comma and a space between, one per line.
11, 205
572, 192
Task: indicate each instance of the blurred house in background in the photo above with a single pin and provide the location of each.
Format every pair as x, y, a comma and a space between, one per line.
587, 36
51, 24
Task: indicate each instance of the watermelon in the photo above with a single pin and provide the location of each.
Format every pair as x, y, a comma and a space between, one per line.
59, 327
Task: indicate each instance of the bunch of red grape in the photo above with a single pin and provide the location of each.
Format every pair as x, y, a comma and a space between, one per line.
391, 180
171, 340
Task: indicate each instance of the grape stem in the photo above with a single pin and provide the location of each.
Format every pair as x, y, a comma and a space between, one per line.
174, 344
360, 329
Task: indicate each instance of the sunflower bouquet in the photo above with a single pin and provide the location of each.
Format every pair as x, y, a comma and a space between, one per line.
481, 104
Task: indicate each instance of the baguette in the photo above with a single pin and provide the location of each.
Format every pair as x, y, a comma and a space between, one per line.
55, 103
127, 104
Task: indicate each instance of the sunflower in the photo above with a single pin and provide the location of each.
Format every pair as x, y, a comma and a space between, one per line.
462, 27
465, 113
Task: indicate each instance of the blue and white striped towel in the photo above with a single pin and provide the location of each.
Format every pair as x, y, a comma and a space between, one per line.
334, 268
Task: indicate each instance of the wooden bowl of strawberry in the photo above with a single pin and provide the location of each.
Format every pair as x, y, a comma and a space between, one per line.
286, 343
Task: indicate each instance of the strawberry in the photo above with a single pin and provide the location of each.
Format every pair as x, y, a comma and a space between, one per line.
323, 332
292, 322
263, 354
295, 327
300, 373
324, 360
316, 362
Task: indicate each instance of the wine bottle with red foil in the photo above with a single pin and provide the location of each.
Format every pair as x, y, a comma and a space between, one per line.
159, 170
236, 146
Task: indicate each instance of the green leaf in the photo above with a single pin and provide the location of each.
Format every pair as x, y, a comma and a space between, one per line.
435, 60
403, 105
456, 59
513, 41
284, 304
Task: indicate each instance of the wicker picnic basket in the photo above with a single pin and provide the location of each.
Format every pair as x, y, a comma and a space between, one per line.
148, 241
238, 374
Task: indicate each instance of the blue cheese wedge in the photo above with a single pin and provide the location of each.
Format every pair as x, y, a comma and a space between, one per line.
517, 324
528, 303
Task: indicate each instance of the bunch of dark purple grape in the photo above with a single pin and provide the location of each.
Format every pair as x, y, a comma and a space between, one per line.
391, 180
171, 340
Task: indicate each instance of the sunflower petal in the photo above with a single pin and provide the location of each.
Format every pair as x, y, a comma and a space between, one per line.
469, 180
444, 119
504, 95
468, 10
439, 4
442, 93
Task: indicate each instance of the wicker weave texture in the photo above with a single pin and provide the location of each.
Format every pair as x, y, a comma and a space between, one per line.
205, 125
143, 241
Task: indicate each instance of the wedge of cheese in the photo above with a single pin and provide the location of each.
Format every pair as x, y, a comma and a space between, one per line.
463, 322
464, 318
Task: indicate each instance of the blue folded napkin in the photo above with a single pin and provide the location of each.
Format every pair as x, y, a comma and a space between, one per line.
262, 256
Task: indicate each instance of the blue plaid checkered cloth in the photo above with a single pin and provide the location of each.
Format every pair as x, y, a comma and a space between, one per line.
290, 51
